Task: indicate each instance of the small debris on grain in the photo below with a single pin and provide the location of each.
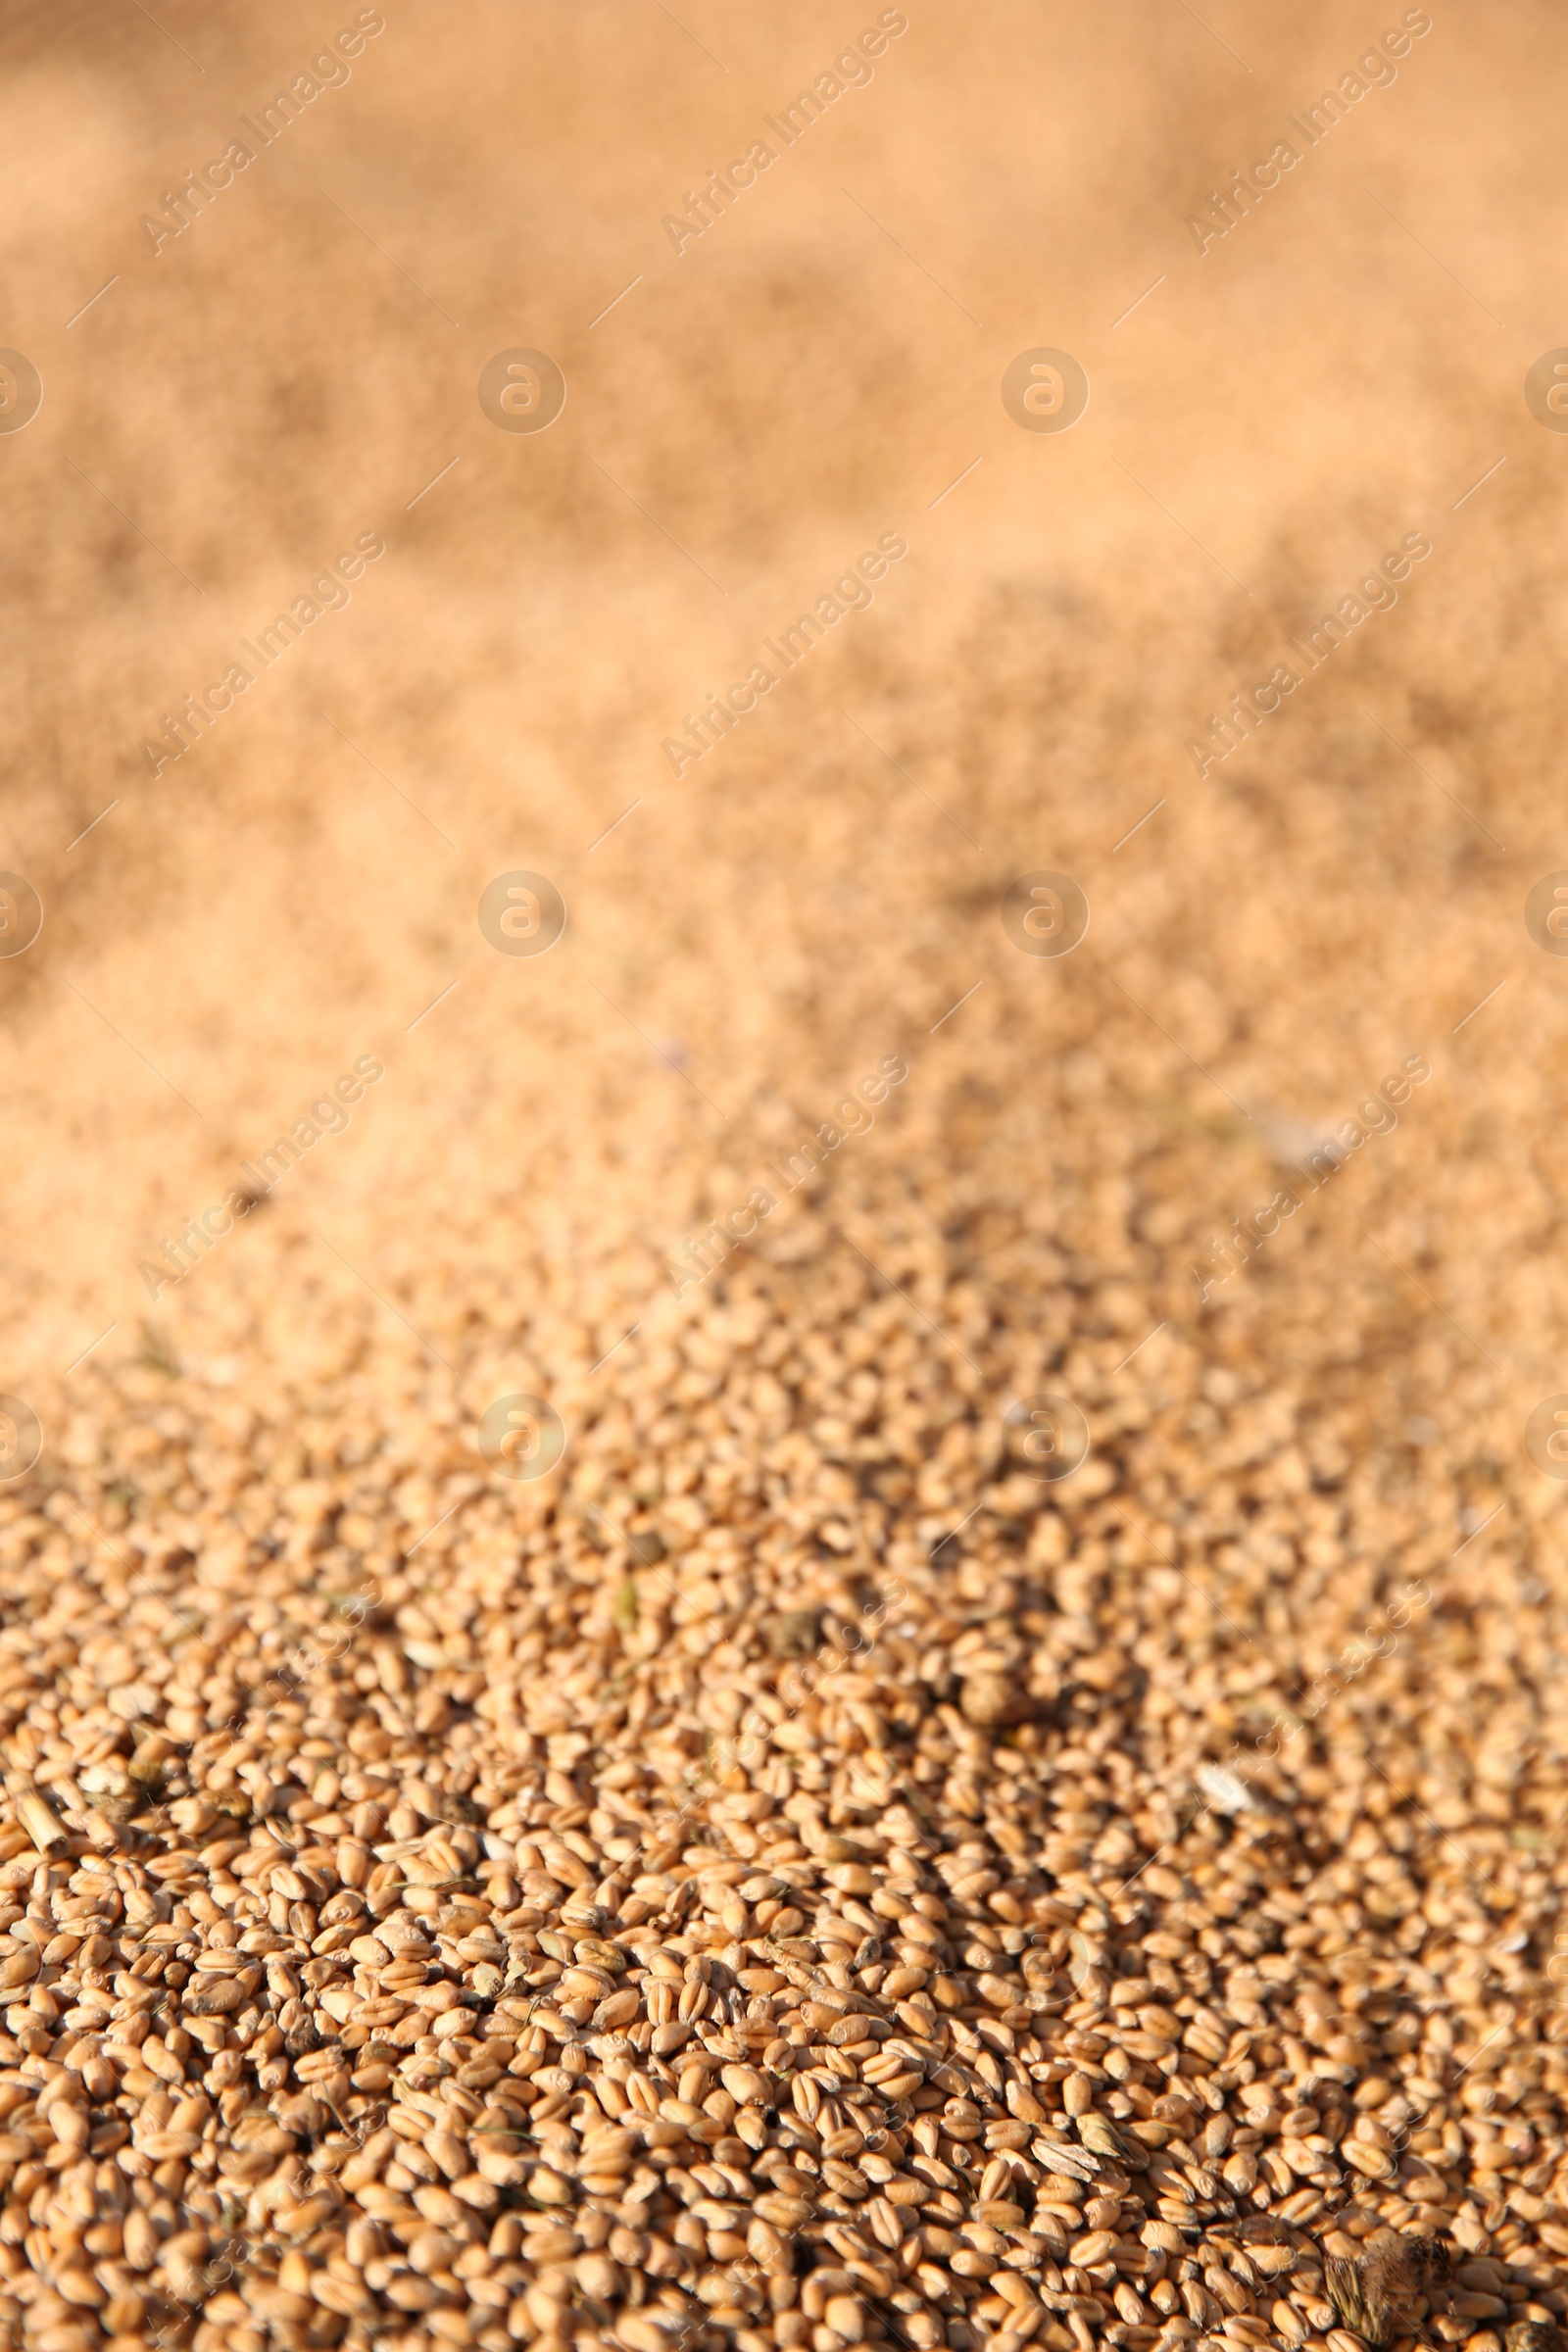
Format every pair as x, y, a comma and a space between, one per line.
793, 1632
1375, 2293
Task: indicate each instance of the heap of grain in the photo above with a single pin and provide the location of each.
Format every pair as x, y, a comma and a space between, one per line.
618, 1923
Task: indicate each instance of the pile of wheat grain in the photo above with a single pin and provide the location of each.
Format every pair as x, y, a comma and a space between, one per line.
687, 1901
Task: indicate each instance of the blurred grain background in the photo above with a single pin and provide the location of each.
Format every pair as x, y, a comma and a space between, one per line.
231, 935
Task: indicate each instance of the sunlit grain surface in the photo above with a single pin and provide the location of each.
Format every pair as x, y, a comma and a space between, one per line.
1198, 1803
